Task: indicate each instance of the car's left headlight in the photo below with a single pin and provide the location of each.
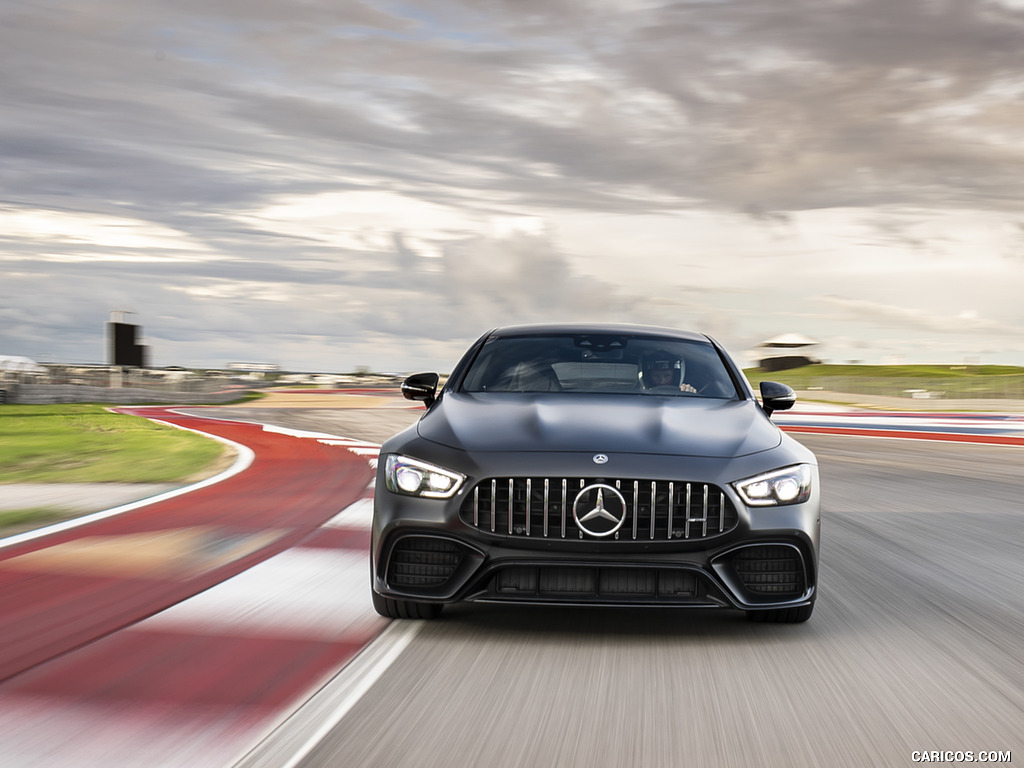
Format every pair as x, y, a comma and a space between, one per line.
791, 485
413, 477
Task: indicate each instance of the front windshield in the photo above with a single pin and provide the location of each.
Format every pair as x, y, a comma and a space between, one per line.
620, 364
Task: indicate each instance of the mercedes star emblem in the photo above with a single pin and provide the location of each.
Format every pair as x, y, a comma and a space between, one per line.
600, 458
599, 510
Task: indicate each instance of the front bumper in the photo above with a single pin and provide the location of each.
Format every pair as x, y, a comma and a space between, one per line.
424, 550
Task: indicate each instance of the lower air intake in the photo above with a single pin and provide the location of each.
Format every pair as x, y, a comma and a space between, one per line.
422, 562
770, 571
597, 584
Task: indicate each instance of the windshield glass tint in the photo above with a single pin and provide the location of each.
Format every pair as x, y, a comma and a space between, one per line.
620, 364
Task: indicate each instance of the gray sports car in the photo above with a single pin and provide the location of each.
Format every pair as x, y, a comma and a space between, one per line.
596, 465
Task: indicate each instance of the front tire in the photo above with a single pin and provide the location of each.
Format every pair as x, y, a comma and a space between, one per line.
404, 609
796, 615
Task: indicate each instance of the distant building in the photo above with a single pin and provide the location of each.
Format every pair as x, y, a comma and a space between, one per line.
790, 350
18, 364
254, 367
122, 342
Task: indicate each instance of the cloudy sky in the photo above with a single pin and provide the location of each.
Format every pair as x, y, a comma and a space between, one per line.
326, 184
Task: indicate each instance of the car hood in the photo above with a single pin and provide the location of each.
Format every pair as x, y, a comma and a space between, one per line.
599, 423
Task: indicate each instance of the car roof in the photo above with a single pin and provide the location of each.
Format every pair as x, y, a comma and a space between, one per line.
536, 329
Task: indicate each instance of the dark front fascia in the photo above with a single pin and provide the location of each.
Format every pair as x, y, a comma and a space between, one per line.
497, 566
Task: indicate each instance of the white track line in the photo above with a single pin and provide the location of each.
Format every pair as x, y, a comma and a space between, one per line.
290, 743
359, 514
318, 594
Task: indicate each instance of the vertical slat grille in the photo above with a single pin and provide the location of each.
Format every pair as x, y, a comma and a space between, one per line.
529, 495
654, 503
565, 498
509, 510
654, 510
546, 505
494, 503
636, 507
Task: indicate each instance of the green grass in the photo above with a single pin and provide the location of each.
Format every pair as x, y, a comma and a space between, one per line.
248, 398
85, 443
959, 381
31, 517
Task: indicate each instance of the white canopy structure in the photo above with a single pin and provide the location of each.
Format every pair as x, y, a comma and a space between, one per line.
789, 350
788, 341
19, 364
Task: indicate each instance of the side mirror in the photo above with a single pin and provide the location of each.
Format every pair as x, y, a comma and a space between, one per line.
421, 386
776, 397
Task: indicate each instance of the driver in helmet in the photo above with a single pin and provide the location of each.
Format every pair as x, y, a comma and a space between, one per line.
663, 372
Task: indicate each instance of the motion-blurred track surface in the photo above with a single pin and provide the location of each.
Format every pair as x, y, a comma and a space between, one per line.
914, 645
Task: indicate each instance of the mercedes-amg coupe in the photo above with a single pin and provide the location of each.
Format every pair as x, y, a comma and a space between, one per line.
611, 465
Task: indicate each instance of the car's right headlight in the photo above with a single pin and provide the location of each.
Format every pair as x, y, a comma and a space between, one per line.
413, 477
790, 485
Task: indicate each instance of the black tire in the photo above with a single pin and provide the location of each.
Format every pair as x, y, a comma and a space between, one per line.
796, 615
404, 609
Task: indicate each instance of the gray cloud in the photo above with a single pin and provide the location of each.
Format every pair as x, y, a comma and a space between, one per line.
897, 316
194, 118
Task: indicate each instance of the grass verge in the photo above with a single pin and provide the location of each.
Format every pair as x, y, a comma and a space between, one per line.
947, 382
85, 443
31, 517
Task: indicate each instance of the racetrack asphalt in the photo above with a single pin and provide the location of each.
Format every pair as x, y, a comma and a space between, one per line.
98, 674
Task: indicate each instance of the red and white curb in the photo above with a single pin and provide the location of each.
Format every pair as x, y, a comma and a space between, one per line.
977, 428
309, 604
